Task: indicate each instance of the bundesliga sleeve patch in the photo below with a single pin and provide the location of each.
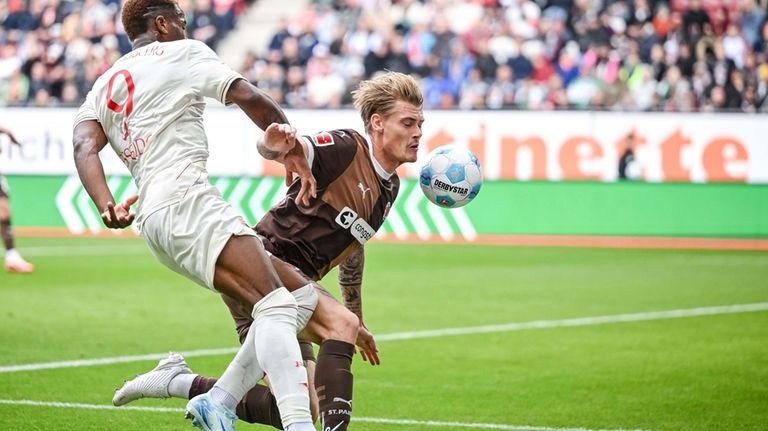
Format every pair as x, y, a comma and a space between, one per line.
322, 139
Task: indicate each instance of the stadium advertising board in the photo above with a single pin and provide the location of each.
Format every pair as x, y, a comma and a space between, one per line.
550, 146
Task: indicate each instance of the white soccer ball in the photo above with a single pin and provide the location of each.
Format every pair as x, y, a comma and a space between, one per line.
451, 176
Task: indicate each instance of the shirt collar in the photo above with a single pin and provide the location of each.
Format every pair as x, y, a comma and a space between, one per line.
376, 165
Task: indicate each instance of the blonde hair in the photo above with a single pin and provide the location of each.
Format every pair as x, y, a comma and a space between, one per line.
378, 95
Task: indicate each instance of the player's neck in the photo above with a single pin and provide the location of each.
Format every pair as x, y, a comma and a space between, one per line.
385, 162
143, 40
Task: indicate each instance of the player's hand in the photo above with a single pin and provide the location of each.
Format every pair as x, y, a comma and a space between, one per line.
119, 216
367, 346
279, 138
296, 164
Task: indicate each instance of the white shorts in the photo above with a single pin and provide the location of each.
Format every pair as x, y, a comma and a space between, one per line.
188, 236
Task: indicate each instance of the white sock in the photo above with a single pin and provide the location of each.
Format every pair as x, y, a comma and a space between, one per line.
243, 372
12, 254
300, 426
180, 385
280, 357
224, 397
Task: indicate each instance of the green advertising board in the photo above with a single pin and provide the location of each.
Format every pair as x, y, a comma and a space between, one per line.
502, 207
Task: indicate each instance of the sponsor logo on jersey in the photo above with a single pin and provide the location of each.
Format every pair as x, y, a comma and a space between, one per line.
358, 227
322, 139
362, 231
346, 217
363, 188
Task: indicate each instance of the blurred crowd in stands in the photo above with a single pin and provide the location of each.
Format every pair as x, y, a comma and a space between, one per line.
628, 55
51, 51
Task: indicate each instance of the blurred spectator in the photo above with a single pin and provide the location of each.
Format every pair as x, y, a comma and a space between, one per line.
752, 18
694, 20
473, 91
685, 60
584, 88
205, 23
282, 33
51, 51
675, 92
440, 91
501, 92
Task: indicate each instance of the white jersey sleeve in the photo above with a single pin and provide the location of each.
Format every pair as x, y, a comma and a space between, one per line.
208, 75
150, 104
87, 110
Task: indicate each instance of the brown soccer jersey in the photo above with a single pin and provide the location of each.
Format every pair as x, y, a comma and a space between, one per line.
354, 196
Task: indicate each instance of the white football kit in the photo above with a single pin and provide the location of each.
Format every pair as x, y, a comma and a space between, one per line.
150, 104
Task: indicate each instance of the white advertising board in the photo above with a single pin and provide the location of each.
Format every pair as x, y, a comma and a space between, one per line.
551, 146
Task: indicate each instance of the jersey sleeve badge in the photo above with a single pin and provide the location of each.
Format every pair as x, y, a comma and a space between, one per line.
322, 139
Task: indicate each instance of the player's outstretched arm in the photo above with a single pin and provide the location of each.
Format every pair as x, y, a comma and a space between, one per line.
291, 151
351, 284
88, 139
258, 106
265, 112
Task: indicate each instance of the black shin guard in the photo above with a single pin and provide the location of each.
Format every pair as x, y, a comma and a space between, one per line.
333, 380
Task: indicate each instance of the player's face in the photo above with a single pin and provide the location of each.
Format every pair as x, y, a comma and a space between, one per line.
401, 134
179, 24
175, 24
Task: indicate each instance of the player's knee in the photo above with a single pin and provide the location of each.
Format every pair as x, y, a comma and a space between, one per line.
279, 303
345, 326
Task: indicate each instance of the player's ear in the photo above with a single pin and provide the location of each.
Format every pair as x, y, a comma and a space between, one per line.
377, 123
161, 25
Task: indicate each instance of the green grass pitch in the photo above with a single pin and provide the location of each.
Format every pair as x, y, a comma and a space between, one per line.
107, 297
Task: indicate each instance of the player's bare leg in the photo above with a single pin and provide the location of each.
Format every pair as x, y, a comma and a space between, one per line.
335, 329
243, 271
333, 382
259, 405
331, 322
13, 260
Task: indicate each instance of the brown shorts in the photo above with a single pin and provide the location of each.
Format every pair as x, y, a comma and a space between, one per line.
291, 277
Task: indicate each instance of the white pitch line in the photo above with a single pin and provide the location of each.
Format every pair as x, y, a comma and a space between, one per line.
85, 251
508, 327
476, 425
113, 360
88, 406
580, 321
355, 419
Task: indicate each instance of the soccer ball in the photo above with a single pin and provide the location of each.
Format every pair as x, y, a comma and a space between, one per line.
451, 176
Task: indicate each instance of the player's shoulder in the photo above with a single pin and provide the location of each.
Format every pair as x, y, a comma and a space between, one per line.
195, 46
337, 137
105, 77
191, 43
